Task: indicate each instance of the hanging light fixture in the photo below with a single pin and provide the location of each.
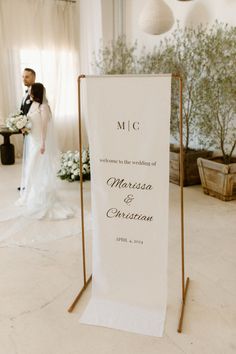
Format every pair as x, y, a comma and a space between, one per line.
156, 17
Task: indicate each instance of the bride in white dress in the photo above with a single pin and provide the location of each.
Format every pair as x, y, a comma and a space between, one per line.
38, 196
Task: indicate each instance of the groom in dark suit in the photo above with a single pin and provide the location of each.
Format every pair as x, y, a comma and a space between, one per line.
28, 76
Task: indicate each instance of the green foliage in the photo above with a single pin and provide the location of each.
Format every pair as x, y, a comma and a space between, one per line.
217, 95
162, 61
189, 64
116, 58
181, 53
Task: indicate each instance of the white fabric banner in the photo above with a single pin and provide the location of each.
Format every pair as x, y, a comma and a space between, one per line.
128, 122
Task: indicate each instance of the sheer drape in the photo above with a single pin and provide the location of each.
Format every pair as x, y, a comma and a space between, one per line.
90, 33
90, 41
43, 35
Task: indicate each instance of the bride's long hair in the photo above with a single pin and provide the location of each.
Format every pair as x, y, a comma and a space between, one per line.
38, 92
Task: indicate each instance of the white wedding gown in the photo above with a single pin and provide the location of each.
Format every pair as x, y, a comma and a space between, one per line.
38, 197
34, 215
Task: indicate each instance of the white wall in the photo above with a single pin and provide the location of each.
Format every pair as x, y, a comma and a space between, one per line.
112, 19
188, 13
107, 20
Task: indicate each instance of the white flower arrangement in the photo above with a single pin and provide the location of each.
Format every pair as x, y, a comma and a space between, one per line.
17, 122
70, 166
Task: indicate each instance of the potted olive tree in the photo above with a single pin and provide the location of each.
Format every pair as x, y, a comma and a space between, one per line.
182, 53
218, 121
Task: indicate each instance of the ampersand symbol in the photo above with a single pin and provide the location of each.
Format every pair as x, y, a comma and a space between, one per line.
129, 199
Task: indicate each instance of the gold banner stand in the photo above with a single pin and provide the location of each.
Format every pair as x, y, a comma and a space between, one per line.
181, 151
86, 280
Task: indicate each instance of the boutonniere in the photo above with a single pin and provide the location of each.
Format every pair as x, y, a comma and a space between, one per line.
28, 101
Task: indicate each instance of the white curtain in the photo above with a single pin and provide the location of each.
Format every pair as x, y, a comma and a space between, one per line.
43, 35
90, 41
90, 33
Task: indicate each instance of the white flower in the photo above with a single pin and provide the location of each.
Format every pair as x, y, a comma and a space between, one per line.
21, 123
77, 172
74, 166
70, 163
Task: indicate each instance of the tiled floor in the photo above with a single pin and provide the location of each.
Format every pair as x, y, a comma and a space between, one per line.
39, 280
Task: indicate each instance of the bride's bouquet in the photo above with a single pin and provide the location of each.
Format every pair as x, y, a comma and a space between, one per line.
18, 122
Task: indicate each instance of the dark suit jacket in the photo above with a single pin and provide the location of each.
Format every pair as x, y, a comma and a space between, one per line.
25, 105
